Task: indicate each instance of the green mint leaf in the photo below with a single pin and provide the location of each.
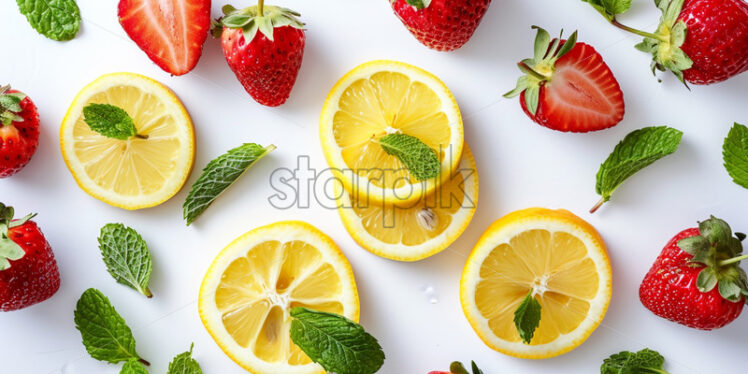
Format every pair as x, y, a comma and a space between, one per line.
735, 154
109, 120
420, 160
218, 175
183, 363
644, 361
335, 342
527, 317
636, 151
133, 367
105, 334
126, 256
55, 19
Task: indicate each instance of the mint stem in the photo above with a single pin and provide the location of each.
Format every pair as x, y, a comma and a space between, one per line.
733, 260
598, 205
645, 34
144, 362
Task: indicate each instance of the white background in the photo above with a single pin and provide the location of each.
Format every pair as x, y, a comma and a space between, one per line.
521, 164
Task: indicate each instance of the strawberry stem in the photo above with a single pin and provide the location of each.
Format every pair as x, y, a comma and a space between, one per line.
4, 89
732, 260
597, 205
638, 32
529, 70
260, 6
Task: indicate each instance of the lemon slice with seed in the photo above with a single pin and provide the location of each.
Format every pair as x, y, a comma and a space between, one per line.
251, 286
420, 230
556, 255
380, 98
139, 172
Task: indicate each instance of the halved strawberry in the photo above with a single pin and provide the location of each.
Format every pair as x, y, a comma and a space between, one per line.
170, 32
568, 86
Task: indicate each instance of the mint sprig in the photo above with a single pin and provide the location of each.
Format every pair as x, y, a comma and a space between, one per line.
56, 19
105, 333
183, 363
126, 256
420, 160
735, 154
133, 367
527, 317
218, 175
335, 342
110, 121
644, 361
637, 150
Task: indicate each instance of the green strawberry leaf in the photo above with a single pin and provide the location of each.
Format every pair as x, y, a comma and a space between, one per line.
456, 367
9, 250
707, 280
335, 342
110, 121
56, 19
183, 363
610, 8
220, 174
420, 160
419, 4
105, 333
527, 317
644, 361
126, 257
735, 154
133, 367
694, 244
636, 151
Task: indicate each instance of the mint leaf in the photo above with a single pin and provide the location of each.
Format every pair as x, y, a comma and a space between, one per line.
610, 8
105, 334
126, 256
183, 363
527, 317
133, 367
56, 19
735, 154
110, 121
418, 158
644, 361
218, 175
335, 342
637, 150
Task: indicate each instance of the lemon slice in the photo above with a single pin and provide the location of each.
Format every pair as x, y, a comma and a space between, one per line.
558, 256
251, 286
421, 230
135, 173
380, 98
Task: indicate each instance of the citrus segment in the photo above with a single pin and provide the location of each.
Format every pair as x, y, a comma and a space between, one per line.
555, 255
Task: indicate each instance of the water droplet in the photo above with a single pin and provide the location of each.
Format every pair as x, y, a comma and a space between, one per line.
430, 294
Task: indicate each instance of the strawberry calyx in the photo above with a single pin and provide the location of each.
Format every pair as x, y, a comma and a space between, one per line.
718, 252
418, 4
457, 368
540, 69
256, 18
9, 250
10, 106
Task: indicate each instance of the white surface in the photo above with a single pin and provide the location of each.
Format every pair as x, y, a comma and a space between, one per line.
521, 164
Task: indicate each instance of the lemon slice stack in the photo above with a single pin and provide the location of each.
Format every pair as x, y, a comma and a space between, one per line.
383, 207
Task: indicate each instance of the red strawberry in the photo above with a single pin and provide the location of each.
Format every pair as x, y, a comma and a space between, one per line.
443, 25
700, 41
696, 280
264, 47
28, 271
19, 131
170, 32
568, 86
457, 368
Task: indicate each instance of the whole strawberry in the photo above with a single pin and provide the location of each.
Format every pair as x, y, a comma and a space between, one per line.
696, 280
170, 32
443, 25
28, 270
457, 368
19, 131
264, 46
568, 86
700, 41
